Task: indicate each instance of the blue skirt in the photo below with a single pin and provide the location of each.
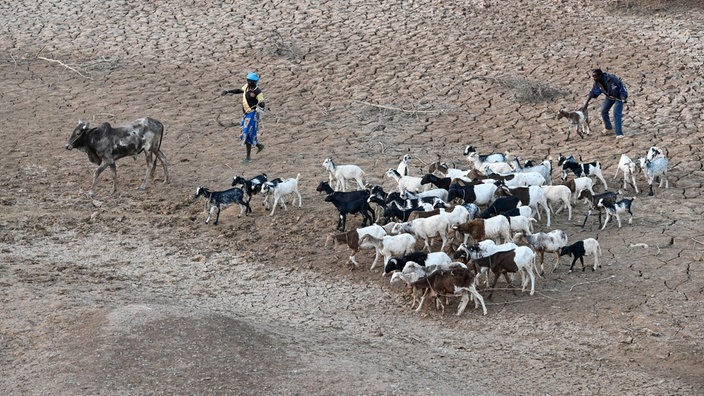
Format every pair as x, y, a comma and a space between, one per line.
250, 126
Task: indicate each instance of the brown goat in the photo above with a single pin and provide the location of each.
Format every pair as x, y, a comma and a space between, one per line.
457, 281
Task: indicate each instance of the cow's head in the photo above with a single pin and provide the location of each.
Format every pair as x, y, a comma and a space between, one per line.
80, 129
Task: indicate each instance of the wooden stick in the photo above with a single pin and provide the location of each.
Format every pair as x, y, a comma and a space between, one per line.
64, 65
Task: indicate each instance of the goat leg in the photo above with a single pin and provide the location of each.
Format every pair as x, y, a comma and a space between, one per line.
587, 217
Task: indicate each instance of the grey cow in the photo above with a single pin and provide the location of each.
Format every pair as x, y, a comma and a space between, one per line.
105, 145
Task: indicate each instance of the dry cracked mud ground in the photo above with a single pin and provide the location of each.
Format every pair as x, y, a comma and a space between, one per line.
134, 294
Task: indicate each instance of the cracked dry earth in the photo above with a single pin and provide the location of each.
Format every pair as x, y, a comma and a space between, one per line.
134, 294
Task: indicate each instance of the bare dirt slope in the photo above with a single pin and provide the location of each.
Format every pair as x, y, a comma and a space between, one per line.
134, 294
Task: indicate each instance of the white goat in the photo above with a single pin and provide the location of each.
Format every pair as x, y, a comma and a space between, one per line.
532, 196
628, 168
427, 228
521, 179
342, 173
544, 168
521, 224
559, 194
481, 164
655, 168
493, 157
542, 243
407, 183
403, 166
281, 190
436, 192
655, 152
391, 245
445, 170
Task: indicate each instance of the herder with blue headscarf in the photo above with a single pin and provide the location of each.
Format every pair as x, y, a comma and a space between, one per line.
252, 106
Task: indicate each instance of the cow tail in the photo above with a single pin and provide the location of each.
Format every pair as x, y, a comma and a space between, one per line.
158, 147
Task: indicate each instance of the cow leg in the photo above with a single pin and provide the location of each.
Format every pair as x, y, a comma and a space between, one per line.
150, 170
97, 173
162, 158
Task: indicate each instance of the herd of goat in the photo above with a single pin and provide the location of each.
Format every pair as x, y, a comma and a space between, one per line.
494, 203
492, 207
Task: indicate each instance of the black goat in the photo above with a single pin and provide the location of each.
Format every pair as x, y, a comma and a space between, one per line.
439, 182
348, 202
393, 211
500, 205
223, 198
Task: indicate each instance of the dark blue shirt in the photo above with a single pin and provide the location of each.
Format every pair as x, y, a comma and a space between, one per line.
614, 88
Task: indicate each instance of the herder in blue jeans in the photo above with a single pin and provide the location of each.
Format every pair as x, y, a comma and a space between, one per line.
616, 95
252, 106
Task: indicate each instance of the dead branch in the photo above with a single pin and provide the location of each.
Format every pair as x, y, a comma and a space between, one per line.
398, 108
598, 280
64, 65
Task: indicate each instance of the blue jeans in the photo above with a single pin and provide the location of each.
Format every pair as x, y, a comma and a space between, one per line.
618, 114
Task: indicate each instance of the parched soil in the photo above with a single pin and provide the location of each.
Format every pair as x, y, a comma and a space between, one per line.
134, 294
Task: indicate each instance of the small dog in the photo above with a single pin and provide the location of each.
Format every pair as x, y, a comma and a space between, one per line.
578, 118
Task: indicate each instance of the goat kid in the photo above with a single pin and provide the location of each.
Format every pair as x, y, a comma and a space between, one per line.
216, 199
287, 187
579, 249
578, 119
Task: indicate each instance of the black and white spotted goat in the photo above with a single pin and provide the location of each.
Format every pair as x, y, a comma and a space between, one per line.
216, 199
251, 186
617, 209
570, 164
